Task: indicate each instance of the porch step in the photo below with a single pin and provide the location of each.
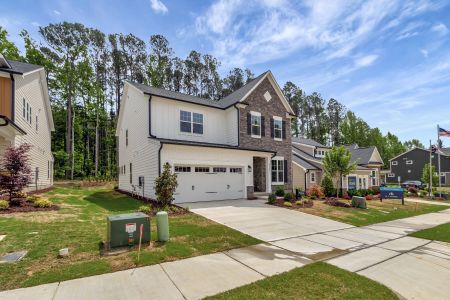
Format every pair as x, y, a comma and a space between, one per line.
261, 195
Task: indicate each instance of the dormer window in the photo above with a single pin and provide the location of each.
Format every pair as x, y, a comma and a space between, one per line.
191, 122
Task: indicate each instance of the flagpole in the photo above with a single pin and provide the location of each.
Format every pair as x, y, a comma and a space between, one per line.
431, 170
439, 161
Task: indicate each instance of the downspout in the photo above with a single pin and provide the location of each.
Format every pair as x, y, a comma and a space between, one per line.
239, 124
13, 98
159, 158
306, 173
150, 117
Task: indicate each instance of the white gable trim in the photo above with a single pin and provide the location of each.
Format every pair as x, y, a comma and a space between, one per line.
277, 90
376, 156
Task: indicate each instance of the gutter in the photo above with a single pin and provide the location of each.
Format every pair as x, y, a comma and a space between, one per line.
9, 122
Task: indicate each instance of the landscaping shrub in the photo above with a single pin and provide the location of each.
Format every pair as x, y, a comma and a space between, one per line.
272, 198
375, 190
346, 196
298, 202
165, 185
280, 191
145, 209
19, 195
33, 198
369, 197
288, 197
315, 192
327, 186
413, 190
43, 203
4, 204
287, 203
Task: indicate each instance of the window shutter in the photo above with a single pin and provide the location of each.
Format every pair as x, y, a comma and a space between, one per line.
263, 126
271, 128
285, 171
249, 124
284, 130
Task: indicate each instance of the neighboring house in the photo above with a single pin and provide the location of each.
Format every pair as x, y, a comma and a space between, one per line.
409, 166
26, 117
226, 149
307, 163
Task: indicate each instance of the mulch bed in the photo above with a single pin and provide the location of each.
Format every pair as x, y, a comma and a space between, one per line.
280, 203
27, 207
174, 210
336, 202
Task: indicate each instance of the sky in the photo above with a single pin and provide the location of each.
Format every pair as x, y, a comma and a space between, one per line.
386, 60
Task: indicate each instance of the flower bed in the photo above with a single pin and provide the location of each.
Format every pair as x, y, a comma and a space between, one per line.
24, 206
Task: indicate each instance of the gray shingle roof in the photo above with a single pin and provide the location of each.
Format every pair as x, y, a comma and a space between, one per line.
224, 103
361, 156
306, 141
18, 67
305, 164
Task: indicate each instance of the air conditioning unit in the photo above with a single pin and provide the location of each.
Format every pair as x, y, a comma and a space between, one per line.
123, 229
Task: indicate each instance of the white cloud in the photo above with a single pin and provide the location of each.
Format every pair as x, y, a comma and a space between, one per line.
158, 6
56, 12
440, 28
366, 61
424, 52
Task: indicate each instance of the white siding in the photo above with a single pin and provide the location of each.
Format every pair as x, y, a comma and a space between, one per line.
142, 151
30, 88
219, 126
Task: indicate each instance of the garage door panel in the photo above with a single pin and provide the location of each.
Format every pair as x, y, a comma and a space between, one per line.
194, 187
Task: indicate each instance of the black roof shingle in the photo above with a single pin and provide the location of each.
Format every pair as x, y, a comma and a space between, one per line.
20, 68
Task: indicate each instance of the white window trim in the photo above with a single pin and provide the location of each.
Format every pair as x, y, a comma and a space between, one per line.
275, 118
277, 158
394, 163
409, 162
192, 122
256, 114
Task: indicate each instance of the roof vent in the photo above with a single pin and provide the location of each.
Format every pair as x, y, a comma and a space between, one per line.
3, 62
267, 96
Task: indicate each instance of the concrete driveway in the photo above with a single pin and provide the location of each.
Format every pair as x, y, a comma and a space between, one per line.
265, 222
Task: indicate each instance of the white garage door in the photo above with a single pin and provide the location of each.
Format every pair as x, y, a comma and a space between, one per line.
208, 183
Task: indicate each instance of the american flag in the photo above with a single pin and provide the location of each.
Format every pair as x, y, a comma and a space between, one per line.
443, 132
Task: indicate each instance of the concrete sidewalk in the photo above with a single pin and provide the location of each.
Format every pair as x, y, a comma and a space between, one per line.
426, 201
414, 268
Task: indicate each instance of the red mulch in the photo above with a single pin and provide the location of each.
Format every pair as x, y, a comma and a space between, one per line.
280, 203
27, 207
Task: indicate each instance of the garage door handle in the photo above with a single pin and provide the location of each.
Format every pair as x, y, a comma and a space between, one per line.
211, 192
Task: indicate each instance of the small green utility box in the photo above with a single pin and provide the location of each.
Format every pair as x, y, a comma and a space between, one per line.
123, 230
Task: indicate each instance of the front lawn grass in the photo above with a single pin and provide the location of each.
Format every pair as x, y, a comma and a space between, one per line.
376, 211
438, 233
315, 281
80, 225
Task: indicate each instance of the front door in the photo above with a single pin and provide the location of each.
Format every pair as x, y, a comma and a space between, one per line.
259, 174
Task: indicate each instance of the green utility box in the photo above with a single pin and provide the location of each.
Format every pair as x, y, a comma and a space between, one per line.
123, 230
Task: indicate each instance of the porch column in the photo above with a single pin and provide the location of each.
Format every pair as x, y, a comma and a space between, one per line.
269, 175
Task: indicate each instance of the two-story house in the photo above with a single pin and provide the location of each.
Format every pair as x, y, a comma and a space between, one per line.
226, 149
409, 165
26, 117
307, 165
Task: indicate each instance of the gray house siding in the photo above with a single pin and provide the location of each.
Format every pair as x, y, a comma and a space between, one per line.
419, 158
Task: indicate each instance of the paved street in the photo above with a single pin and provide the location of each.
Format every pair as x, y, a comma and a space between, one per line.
414, 268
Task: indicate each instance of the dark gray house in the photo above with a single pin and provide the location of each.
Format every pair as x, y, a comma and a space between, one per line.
409, 166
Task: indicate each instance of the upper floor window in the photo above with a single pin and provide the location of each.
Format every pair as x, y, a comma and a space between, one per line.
37, 126
256, 124
277, 128
191, 122
394, 163
126, 137
30, 115
28, 112
23, 108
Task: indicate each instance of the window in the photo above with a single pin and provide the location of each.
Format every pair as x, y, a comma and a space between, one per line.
256, 124
37, 127
391, 175
182, 169
126, 137
191, 122
30, 115
219, 170
236, 170
374, 177
277, 171
28, 112
394, 163
131, 173
313, 176
409, 162
277, 128
23, 109
201, 169
141, 181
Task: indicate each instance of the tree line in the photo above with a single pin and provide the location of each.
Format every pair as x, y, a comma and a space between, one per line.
85, 73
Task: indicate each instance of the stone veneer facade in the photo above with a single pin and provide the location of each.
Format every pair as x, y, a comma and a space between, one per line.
274, 107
